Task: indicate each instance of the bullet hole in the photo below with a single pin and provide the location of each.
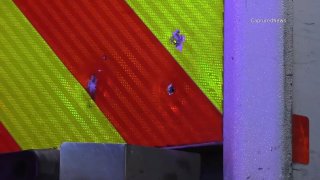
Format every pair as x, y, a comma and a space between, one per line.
170, 89
92, 85
89, 105
104, 57
177, 39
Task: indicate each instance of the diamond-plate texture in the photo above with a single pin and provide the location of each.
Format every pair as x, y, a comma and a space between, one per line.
41, 104
201, 21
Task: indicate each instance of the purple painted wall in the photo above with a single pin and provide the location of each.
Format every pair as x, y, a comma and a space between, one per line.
257, 125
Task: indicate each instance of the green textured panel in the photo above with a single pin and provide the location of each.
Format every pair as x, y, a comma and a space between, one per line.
201, 21
41, 103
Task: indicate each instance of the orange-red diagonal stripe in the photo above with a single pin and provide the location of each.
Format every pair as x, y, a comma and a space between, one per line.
108, 40
7, 143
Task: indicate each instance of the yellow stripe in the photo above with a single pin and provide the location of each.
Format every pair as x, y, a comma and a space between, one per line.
41, 103
201, 21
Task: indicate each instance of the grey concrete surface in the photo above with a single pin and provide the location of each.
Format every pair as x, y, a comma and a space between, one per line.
306, 84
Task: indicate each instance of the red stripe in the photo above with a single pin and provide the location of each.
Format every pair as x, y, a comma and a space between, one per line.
300, 139
133, 80
7, 143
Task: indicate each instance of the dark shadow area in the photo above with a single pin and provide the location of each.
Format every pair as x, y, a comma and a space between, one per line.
30, 165
18, 166
211, 161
